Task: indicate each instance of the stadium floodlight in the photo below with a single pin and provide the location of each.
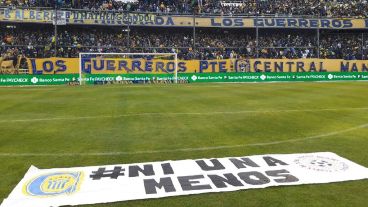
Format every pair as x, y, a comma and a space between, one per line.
106, 61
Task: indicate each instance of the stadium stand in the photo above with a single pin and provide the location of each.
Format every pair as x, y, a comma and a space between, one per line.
19, 39
208, 44
330, 8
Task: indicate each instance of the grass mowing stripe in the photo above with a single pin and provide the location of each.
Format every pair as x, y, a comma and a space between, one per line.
180, 150
181, 113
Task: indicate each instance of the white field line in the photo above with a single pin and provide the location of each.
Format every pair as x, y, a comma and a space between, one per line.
180, 114
183, 149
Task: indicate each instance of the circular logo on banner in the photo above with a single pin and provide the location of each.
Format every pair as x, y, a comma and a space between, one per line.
321, 164
34, 80
119, 78
194, 78
54, 184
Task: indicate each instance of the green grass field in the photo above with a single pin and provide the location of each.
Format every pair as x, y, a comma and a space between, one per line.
157, 120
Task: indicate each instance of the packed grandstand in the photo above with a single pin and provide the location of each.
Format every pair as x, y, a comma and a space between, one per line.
32, 40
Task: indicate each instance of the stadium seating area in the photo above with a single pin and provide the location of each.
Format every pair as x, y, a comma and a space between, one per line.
208, 44
330, 8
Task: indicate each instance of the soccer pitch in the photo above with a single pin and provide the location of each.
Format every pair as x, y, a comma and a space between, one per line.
56, 127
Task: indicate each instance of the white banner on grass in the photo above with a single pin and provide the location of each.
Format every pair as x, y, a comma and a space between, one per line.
123, 182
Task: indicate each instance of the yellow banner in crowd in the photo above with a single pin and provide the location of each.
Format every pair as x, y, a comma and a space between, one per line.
144, 66
146, 19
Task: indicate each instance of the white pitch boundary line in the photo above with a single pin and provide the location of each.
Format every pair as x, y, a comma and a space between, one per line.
182, 149
178, 114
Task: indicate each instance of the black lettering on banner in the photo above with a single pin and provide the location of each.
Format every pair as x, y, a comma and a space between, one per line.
146, 171
216, 165
312, 67
168, 170
103, 173
321, 67
254, 178
300, 67
188, 183
151, 185
284, 174
273, 161
290, 66
364, 68
229, 178
243, 162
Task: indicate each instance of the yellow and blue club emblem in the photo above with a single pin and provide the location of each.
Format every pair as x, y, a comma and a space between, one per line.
54, 184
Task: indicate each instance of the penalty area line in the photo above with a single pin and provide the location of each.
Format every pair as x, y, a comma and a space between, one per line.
184, 149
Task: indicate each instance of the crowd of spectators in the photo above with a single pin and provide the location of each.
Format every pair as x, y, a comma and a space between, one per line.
11, 60
330, 8
207, 43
